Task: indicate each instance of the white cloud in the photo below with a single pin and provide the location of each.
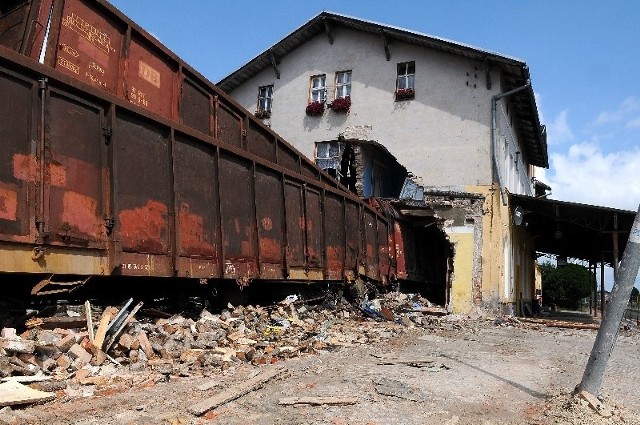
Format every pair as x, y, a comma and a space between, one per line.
585, 174
633, 123
627, 107
559, 131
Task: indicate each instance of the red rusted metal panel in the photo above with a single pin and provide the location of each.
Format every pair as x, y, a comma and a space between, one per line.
310, 170
270, 215
150, 203
228, 125
142, 190
370, 244
384, 261
89, 45
95, 43
334, 225
260, 142
197, 220
150, 78
288, 158
237, 217
14, 18
396, 243
17, 157
74, 172
353, 229
295, 224
195, 106
313, 229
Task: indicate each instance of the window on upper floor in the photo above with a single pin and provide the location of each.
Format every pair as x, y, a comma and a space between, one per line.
343, 84
318, 91
265, 99
405, 81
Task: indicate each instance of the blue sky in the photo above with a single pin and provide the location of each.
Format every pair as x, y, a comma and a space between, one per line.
584, 58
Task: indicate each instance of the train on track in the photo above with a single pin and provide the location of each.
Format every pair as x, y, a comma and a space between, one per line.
120, 161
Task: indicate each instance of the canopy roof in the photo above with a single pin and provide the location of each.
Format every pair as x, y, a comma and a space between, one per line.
574, 230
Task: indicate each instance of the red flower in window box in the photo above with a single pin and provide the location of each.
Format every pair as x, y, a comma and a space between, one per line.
315, 108
405, 94
341, 104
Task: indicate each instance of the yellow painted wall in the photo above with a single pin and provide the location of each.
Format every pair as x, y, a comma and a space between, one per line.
498, 292
461, 282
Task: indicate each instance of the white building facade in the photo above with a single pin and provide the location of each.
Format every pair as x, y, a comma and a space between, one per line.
461, 119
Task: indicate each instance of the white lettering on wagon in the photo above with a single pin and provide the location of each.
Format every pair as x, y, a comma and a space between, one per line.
134, 266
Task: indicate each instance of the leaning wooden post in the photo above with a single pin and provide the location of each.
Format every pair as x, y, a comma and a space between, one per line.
622, 286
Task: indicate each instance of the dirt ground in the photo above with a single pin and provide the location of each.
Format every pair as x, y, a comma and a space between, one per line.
482, 371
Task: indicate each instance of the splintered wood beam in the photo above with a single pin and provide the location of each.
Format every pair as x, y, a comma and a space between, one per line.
327, 29
236, 391
317, 401
385, 43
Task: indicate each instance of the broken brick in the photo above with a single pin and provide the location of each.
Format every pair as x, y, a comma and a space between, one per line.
77, 352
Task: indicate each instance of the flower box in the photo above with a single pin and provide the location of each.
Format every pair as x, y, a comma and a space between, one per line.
405, 94
341, 104
262, 114
315, 108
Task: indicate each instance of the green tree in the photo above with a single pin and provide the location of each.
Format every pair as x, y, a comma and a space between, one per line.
565, 286
634, 295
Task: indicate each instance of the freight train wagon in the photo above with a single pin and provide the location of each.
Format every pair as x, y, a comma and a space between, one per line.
119, 159
94, 182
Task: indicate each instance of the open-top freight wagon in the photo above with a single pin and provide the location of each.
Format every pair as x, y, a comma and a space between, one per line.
119, 159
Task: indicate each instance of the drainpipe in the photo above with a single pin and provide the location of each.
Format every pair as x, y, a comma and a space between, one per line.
494, 123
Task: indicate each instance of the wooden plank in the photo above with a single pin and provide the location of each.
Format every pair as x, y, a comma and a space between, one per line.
12, 393
87, 313
561, 323
317, 401
56, 322
236, 391
596, 404
107, 315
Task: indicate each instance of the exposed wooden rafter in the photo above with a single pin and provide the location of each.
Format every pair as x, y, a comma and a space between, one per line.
487, 72
327, 29
274, 63
385, 43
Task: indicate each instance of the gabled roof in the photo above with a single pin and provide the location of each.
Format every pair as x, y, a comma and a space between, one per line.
515, 72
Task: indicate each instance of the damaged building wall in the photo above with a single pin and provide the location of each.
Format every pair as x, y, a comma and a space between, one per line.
443, 134
494, 260
508, 261
463, 222
363, 166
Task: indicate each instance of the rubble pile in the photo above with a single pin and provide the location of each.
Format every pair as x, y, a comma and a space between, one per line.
76, 348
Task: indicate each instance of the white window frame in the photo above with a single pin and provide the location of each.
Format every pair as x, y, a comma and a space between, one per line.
343, 84
265, 98
406, 79
318, 88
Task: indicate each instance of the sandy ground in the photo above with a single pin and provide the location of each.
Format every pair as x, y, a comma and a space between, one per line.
467, 372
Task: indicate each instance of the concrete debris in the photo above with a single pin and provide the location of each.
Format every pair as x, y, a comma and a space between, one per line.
205, 343
13, 393
393, 388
